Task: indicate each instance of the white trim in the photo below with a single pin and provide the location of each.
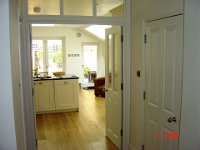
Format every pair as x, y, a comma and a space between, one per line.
26, 68
131, 147
94, 8
61, 7
126, 76
118, 21
76, 20
143, 77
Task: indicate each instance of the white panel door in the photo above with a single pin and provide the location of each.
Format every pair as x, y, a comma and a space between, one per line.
113, 85
163, 83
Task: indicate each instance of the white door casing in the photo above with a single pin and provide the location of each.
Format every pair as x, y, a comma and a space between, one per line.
163, 82
113, 85
125, 21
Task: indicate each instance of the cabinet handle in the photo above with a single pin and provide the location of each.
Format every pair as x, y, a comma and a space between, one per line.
40, 83
65, 82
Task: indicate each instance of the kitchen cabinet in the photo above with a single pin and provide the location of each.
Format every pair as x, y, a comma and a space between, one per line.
66, 94
56, 95
44, 95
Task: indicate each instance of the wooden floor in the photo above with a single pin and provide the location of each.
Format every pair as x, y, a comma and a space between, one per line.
83, 130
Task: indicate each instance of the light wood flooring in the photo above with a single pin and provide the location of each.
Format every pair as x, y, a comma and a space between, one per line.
83, 130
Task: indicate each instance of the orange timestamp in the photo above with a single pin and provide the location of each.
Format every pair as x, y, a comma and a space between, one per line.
168, 135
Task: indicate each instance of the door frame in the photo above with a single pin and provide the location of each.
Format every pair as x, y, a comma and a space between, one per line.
27, 65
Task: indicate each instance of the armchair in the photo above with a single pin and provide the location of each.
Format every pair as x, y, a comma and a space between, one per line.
99, 86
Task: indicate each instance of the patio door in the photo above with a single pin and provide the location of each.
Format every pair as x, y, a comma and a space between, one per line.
89, 62
48, 55
113, 85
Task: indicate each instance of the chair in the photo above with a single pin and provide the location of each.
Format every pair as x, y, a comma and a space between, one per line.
99, 86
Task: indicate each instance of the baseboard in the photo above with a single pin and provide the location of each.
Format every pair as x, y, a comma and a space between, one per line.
131, 147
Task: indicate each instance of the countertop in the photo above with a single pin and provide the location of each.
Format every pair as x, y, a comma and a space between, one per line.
65, 77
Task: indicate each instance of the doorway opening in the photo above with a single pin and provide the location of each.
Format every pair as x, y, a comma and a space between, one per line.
67, 121
89, 64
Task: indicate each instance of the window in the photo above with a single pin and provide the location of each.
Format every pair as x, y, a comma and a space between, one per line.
48, 55
44, 7
106, 8
77, 7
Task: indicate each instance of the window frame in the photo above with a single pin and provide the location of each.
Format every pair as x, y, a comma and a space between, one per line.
94, 10
45, 56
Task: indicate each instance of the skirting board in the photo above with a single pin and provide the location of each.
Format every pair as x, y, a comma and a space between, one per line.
131, 147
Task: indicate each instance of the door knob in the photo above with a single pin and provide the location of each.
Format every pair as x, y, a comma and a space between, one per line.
106, 90
171, 119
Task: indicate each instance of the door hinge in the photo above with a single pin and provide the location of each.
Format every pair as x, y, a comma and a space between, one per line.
121, 132
144, 95
122, 38
122, 86
142, 147
145, 39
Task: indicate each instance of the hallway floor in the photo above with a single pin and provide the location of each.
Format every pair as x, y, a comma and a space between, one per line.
83, 130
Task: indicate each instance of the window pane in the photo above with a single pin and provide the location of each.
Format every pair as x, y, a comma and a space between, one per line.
44, 7
55, 59
110, 60
78, 7
116, 64
38, 55
110, 8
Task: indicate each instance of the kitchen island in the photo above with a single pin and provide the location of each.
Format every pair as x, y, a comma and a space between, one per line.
56, 94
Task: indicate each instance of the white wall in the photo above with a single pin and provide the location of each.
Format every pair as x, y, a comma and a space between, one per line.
143, 10
7, 126
190, 115
11, 119
73, 45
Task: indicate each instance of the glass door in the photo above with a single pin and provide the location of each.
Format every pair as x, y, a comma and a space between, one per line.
89, 62
48, 56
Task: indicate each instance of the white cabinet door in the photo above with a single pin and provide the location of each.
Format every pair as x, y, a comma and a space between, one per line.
66, 94
44, 95
164, 52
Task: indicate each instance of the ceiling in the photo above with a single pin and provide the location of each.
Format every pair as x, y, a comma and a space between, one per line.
71, 7
97, 31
